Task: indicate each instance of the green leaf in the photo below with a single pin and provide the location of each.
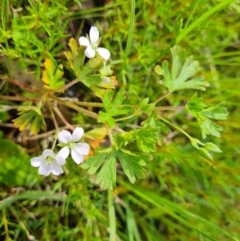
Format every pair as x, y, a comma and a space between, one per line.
94, 162
202, 113
217, 112
107, 175
195, 104
106, 118
106, 162
182, 71
145, 138
210, 128
152, 121
5, 35
145, 107
132, 164
112, 107
205, 147
212, 147
103, 164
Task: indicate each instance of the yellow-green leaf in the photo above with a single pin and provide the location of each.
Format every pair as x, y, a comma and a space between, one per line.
52, 75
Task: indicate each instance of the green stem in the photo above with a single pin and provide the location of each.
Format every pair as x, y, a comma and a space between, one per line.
55, 139
89, 104
175, 108
111, 215
125, 118
18, 98
162, 97
175, 126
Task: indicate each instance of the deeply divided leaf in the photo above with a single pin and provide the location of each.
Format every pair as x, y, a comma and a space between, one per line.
52, 75
113, 107
132, 164
181, 74
145, 138
30, 117
204, 114
105, 164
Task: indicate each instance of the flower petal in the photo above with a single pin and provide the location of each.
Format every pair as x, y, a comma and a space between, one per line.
44, 170
84, 41
37, 161
63, 153
82, 148
76, 156
104, 53
47, 153
56, 169
94, 34
77, 134
89, 52
60, 160
64, 136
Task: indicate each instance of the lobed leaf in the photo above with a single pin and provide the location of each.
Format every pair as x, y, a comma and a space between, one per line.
30, 117
132, 164
203, 114
106, 162
52, 75
182, 72
103, 164
112, 107
145, 138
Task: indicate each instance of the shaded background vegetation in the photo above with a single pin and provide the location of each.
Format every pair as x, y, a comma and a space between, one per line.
181, 186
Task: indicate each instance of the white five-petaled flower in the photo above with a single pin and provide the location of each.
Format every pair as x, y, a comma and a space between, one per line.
92, 45
69, 141
48, 163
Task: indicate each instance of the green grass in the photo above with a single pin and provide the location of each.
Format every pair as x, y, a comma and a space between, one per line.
184, 195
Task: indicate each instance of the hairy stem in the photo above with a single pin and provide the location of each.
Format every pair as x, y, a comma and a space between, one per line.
75, 107
21, 84
162, 97
174, 126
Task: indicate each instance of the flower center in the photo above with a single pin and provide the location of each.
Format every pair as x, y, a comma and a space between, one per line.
71, 144
94, 45
50, 160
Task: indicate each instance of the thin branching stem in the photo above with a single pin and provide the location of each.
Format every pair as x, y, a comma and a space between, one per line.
53, 116
18, 98
21, 84
173, 108
75, 107
162, 97
58, 112
68, 85
174, 126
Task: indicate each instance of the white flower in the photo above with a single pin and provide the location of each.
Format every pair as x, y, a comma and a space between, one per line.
48, 163
92, 45
69, 140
